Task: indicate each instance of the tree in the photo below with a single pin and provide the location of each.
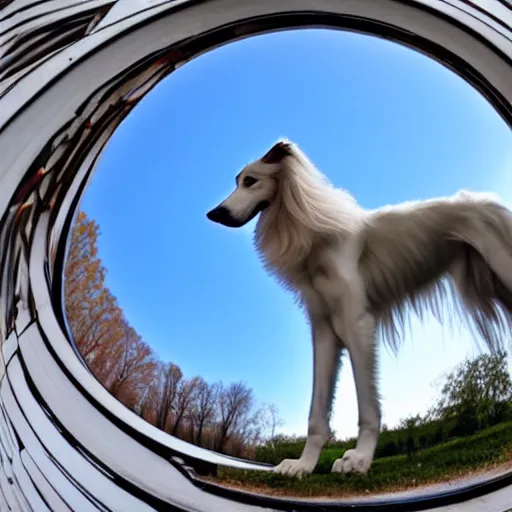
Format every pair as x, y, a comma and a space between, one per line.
93, 314
111, 348
149, 402
235, 403
127, 367
271, 420
184, 400
410, 425
410, 422
248, 433
204, 408
165, 393
84, 272
221, 417
477, 393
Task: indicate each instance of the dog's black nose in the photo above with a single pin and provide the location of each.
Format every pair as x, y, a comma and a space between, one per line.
218, 214
223, 216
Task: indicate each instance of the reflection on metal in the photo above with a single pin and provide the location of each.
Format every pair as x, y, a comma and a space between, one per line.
70, 71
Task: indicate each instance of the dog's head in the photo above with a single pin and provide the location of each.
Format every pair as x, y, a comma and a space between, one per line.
256, 187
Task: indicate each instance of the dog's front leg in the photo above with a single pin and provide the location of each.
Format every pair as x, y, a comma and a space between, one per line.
359, 336
326, 358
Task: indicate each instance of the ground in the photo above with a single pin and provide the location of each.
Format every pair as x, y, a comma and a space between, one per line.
456, 463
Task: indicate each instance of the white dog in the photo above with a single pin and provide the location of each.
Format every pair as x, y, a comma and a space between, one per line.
356, 271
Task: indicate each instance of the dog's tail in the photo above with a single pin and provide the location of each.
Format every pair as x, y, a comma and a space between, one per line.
482, 273
458, 249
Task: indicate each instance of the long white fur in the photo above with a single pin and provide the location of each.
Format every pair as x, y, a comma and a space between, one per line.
356, 271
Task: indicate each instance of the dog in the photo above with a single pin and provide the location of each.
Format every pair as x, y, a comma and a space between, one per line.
358, 272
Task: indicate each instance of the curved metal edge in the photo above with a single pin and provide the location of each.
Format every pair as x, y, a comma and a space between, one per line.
255, 25
460, 496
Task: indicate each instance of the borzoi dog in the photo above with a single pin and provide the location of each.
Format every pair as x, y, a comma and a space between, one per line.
356, 271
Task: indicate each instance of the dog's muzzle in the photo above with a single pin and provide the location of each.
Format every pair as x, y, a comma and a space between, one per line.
223, 216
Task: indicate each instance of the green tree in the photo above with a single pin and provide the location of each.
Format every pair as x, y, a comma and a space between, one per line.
477, 393
410, 426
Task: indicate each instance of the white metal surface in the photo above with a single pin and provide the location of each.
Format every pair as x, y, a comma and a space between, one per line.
65, 442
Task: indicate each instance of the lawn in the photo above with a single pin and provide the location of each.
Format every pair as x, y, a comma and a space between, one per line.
458, 457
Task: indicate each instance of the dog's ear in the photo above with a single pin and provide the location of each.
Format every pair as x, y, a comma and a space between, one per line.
277, 152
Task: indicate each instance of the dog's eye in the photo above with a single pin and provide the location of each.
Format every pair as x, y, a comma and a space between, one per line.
249, 181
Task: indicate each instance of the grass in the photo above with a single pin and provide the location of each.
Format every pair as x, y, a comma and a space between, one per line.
458, 457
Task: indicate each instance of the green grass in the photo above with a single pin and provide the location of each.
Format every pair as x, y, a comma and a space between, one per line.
439, 463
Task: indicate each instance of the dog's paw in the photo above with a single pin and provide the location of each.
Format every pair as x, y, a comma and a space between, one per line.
294, 467
352, 461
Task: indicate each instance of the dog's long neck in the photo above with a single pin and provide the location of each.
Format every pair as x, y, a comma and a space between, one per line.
305, 210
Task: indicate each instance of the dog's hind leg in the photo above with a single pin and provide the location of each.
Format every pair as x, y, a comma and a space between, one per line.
326, 358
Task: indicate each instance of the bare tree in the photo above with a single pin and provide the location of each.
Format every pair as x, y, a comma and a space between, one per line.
204, 408
166, 393
235, 403
271, 420
250, 430
184, 400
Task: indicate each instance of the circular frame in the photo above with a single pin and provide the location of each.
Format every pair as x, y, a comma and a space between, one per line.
70, 72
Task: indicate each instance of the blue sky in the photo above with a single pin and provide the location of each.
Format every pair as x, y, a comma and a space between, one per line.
378, 119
